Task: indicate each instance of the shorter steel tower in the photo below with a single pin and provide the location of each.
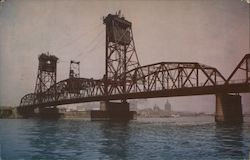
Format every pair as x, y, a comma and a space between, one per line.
74, 69
46, 77
73, 83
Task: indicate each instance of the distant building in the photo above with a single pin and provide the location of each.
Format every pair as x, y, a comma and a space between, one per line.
81, 108
147, 112
156, 108
167, 106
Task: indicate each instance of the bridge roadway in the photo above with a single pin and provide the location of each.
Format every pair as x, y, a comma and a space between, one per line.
187, 91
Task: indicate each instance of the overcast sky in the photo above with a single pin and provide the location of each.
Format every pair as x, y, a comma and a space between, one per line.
212, 32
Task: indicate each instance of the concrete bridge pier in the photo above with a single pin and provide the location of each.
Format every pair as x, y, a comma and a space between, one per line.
47, 112
26, 112
228, 108
40, 112
113, 111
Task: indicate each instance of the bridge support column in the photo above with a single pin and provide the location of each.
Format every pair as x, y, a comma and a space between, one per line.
26, 112
50, 112
113, 111
40, 112
228, 109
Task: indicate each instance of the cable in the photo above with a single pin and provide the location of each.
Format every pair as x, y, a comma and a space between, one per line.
92, 48
75, 39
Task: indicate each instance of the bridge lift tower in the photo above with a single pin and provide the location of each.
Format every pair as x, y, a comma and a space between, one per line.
46, 77
46, 84
120, 57
73, 83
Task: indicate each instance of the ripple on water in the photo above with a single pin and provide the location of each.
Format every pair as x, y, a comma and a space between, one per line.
166, 138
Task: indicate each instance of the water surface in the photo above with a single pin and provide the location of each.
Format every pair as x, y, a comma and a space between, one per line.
180, 138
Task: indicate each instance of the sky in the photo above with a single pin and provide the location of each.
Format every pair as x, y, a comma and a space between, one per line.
212, 32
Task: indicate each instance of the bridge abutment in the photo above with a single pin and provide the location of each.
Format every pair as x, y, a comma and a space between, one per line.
40, 112
113, 111
228, 109
26, 112
47, 112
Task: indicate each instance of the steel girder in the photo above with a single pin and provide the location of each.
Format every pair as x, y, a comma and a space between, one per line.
167, 76
84, 88
242, 70
149, 78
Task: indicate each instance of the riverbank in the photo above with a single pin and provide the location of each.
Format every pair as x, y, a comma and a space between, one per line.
9, 112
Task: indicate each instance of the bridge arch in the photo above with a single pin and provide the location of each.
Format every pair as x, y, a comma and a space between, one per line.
165, 76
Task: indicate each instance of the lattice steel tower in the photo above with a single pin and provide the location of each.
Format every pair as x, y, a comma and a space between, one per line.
120, 53
46, 77
73, 83
74, 69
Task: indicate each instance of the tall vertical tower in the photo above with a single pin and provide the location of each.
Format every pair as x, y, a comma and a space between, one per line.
46, 77
120, 53
74, 69
73, 83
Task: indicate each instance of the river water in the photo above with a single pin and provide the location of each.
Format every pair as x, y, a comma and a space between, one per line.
190, 138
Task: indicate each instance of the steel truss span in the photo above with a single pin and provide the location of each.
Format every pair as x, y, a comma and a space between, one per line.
163, 79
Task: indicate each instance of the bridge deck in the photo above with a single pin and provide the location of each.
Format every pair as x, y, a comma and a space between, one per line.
187, 91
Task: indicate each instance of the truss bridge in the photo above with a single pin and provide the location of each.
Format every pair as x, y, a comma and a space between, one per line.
125, 78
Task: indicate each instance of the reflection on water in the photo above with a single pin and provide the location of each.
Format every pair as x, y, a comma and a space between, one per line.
230, 141
115, 142
53, 140
182, 138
